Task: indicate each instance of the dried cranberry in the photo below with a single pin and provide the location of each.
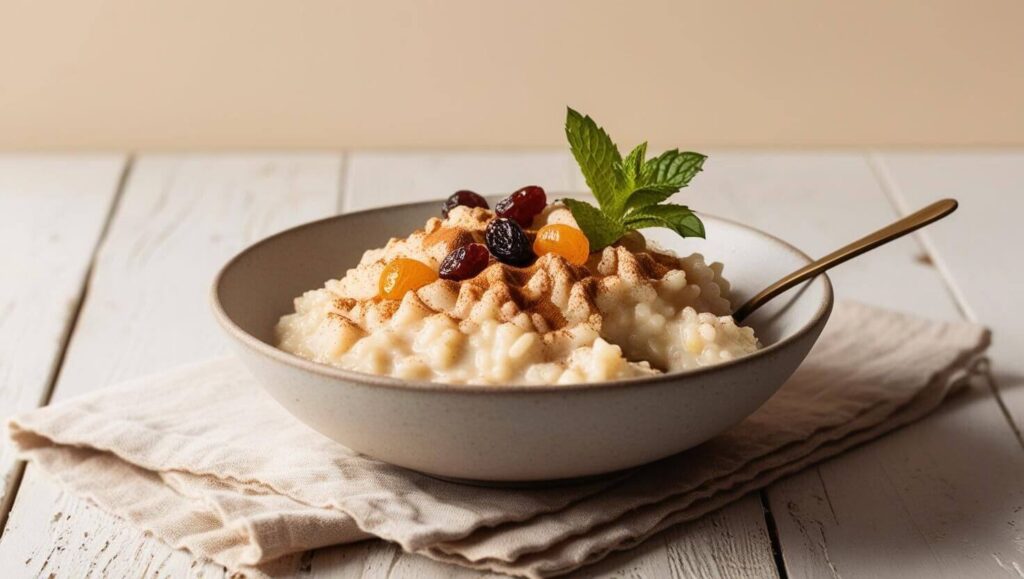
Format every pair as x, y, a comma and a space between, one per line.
465, 198
465, 262
508, 242
523, 205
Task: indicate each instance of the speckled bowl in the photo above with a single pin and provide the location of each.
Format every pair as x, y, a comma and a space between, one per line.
511, 433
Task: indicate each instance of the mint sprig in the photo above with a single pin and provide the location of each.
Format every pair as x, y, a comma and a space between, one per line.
601, 231
630, 192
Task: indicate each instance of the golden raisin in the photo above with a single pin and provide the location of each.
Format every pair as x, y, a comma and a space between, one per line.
564, 240
404, 275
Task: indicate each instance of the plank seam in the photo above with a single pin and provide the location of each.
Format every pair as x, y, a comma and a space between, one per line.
65, 340
87, 281
990, 381
892, 190
773, 534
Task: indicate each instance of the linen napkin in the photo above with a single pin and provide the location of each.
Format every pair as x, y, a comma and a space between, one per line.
201, 458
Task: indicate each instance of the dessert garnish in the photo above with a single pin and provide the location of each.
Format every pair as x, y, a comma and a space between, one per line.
465, 262
523, 205
532, 292
404, 275
630, 192
563, 240
508, 242
463, 198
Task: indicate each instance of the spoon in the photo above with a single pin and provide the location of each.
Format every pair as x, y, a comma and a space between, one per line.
895, 230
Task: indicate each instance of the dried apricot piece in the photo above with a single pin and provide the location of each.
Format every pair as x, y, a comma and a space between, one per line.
563, 240
404, 275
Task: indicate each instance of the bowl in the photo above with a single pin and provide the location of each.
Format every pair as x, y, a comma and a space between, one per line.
511, 433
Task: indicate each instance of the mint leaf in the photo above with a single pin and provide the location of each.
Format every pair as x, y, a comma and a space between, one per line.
678, 218
630, 192
599, 160
648, 196
634, 164
663, 175
600, 230
672, 168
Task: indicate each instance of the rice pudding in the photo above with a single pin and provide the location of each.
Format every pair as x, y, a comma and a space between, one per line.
627, 310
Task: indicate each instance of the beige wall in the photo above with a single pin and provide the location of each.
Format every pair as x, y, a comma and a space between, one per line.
317, 74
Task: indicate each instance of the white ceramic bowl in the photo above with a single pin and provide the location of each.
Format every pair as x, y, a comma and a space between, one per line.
511, 433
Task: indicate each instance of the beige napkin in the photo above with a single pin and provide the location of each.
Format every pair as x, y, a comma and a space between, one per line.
203, 460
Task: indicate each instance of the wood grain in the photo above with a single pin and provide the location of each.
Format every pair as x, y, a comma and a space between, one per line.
179, 219
912, 503
976, 249
52, 213
939, 498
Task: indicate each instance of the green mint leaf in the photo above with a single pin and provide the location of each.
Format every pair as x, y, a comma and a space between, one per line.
648, 196
672, 168
678, 218
662, 176
630, 192
600, 230
599, 160
634, 164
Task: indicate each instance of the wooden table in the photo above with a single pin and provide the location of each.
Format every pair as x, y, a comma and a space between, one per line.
106, 260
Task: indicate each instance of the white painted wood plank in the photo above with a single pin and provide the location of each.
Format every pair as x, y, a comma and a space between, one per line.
380, 178
865, 537
941, 498
727, 544
938, 498
977, 248
52, 212
179, 219
723, 544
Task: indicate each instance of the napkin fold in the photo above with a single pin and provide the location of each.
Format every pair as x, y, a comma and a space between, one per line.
205, 461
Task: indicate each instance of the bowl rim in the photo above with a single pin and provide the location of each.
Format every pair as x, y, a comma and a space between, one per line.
280, 356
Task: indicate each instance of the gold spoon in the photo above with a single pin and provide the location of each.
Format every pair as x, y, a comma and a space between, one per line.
895, 230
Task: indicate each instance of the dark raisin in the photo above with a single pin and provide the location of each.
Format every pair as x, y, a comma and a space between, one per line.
523, 205
508, 242
465, 262
466, 198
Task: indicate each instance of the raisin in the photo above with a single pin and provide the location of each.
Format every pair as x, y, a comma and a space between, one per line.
508, 242
465, 262
465, 198
523, 205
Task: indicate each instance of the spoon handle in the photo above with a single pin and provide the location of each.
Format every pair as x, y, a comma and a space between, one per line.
895, 230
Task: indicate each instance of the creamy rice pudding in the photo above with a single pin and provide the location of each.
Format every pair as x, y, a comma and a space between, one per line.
556, 314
